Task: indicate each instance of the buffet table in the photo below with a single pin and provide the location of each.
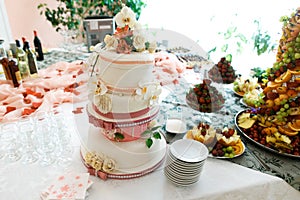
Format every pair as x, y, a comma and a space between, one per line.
219, 179
255, 174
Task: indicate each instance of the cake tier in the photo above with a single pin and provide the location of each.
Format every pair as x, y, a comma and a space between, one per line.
131, 127
128, 157
120, 103
125, 70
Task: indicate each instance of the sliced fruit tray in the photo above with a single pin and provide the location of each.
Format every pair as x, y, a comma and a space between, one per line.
265, 133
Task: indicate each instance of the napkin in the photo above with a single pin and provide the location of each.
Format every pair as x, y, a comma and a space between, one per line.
72, 186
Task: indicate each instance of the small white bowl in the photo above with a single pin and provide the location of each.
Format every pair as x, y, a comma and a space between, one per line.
175, 125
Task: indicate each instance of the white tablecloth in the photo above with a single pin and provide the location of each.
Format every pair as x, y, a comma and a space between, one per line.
220, 179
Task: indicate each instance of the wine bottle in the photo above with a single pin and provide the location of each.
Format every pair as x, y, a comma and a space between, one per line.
22, 61
4, 63
31, 59
38, 47
24, 40
15, 73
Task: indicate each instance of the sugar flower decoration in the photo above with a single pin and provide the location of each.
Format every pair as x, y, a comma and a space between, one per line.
110, 41
139, 42
125, 17
149, 92
129, 35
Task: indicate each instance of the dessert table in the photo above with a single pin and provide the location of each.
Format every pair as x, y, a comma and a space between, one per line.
219, 179
255, 174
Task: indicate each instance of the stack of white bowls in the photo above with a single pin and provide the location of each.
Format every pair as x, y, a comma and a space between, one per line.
184, 161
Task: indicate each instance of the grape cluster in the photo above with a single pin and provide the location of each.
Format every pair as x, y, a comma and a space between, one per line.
288, 57
221, 150
223, 72
205, 97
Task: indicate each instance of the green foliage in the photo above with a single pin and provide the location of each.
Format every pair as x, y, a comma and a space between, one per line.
262, 41
119, 136
259, 73
235, 41
69, 14
153, 133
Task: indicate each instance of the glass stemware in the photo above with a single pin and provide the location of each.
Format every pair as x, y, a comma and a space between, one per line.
44, 138
64, 148
9, 142
27, 132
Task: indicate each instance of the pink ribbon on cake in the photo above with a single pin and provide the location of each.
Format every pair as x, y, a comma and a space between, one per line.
111, 115
136, 62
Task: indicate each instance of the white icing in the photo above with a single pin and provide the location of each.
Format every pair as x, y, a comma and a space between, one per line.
122, 75
129, 156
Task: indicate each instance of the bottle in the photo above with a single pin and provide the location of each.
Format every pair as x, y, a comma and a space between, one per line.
31, 59
15, 72
4, 63
22, 61
24, 40
38, 47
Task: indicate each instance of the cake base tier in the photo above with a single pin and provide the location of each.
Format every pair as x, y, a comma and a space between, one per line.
122, 175
132, 159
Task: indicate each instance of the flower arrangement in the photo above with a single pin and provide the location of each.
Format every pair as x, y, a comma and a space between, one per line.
129, 34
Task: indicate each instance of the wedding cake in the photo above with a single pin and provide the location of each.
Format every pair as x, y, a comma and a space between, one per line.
123, 103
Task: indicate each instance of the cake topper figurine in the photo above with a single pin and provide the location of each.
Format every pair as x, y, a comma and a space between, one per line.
129, 35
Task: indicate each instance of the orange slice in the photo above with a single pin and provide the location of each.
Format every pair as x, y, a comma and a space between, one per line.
283, 78
270, 86
295, 71
287, 131
294, 126
238, 148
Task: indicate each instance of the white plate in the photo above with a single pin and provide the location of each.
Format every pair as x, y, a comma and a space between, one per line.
180, 182
240, 94
189, 150
175, 125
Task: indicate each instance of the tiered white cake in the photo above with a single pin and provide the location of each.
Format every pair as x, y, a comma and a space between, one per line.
123, 102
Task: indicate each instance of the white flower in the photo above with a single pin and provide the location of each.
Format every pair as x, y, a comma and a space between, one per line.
152, 47
110, 41
149, 92
109, 165
125, 17
139, 42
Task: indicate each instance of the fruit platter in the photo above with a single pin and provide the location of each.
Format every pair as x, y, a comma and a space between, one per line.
275, 123
222, 143
242, 85
267, 132
204, 97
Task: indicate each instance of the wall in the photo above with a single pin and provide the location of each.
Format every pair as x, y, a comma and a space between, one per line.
5, 31
24, 17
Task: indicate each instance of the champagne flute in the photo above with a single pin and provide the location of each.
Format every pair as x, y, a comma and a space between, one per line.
44, 138
26, 129
10, 144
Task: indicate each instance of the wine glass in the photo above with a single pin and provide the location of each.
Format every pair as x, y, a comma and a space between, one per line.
27, 129
9, 142
44, 138
64, 148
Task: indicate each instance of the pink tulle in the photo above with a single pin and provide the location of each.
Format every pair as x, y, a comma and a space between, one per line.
59, 83
168, 68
